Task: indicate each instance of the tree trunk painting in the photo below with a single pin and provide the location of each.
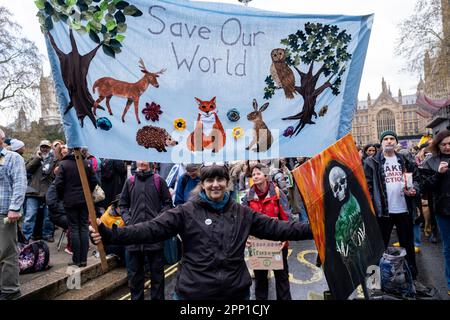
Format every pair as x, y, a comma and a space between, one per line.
74, 70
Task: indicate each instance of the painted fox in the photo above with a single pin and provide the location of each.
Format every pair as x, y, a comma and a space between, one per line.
208, 132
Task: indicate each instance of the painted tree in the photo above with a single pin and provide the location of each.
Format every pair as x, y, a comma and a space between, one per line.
104, 21
322, 49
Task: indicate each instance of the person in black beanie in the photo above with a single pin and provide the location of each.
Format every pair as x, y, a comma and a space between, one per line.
394, 202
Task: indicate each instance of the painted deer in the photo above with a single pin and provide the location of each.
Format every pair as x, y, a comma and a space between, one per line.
108, 87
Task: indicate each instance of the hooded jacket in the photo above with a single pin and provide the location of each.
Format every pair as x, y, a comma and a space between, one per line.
212, 265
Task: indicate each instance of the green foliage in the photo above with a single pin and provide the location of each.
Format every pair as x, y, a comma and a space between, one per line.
322, 44
269, 90
103, 20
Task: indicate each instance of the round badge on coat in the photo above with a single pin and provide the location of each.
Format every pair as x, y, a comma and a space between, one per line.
208, 222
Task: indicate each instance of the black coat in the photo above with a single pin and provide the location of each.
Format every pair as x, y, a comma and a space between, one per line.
56, 211
437, 184
113, 176
68, 182
375, 177
212, 265
140, 201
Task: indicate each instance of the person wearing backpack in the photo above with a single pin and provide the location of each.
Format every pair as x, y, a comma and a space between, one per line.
264, 197
186, 183
144, 196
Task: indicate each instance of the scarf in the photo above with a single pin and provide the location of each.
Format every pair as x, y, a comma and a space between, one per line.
262, 194
216, 205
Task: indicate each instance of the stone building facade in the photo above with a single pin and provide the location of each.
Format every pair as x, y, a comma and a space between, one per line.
387, 112
50, 115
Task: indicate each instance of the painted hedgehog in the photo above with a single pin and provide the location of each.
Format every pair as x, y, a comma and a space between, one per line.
154, 137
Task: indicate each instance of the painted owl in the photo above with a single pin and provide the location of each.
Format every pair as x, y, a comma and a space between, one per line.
281, 73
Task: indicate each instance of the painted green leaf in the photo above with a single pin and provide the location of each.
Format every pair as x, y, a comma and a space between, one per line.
111, 8
49, 9
120, 37
103, 29
130, 10
48, 23
104, 5
108, 51
109, 17
98, 16
76, 25
138, 13
113, 43
83, 7
95, 25
41, 18
71, 2
117, 50
122, 5
82, 30
120, 18
94, 37
40, 4
110, 25
121, 27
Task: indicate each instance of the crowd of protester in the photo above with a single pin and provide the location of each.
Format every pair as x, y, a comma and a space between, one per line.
45, 192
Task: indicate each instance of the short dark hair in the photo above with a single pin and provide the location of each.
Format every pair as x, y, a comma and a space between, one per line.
261, 167
214, 170
437, 140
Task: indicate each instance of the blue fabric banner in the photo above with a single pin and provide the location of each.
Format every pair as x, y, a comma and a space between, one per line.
181, 81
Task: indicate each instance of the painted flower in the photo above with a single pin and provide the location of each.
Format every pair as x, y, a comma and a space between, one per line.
104, 123
179, 124
289, 131
152, 111
233, 115
238, 132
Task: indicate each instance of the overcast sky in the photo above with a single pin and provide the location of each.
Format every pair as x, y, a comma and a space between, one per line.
381, 60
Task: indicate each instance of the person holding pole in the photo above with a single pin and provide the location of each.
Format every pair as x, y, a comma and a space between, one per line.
70, 190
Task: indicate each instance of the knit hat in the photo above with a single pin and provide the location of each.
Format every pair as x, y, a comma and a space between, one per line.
16, 144
388, 133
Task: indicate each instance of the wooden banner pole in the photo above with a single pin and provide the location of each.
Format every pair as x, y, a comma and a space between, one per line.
90, 205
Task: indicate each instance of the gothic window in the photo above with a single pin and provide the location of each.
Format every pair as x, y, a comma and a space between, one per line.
385, 121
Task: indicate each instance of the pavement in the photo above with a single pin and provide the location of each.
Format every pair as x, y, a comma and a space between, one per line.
58, 260
307, 281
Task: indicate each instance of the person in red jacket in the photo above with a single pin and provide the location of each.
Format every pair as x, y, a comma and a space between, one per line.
265, 198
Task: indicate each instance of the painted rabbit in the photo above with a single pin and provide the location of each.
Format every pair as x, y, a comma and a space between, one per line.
262, 136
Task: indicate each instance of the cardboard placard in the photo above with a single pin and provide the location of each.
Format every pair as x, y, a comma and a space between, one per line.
265, 254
